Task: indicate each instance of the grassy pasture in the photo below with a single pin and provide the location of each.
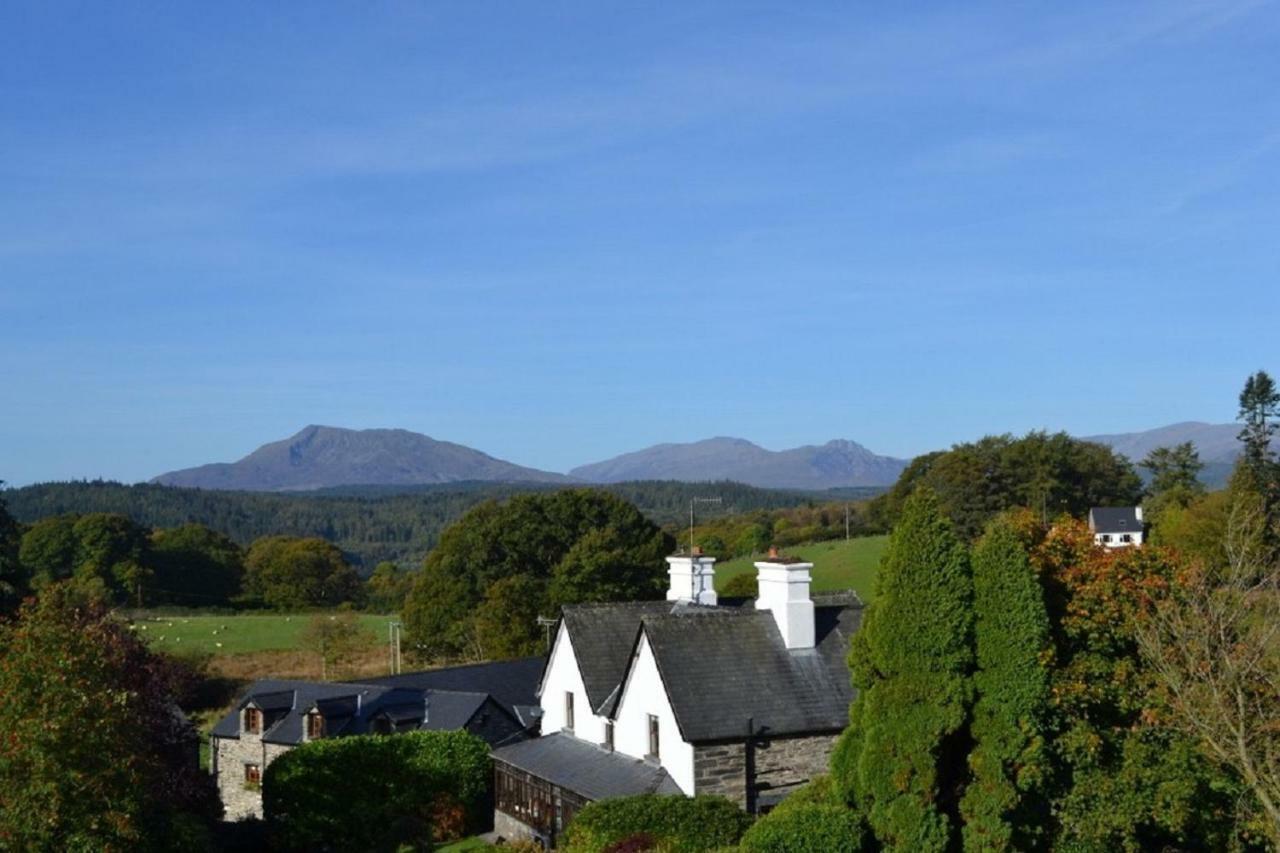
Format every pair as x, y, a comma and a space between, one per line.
237, 634
838, 564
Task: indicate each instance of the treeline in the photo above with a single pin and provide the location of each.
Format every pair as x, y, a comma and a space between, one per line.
369, 524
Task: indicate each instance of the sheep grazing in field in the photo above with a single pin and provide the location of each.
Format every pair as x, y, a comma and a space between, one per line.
219, 645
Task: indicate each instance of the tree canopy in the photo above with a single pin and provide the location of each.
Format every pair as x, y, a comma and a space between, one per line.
289, 573
1050, 474
96, 755
571, 545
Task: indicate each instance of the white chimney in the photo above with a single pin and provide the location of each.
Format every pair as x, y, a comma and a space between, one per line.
784, 591
693, 578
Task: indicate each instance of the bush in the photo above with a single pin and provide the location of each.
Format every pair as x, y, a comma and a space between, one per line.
377, 793
741, 586
807, 828
820, 791
682, 823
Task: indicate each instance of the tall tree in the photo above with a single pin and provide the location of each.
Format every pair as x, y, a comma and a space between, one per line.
1121, 785
506, 621
196, 566
1214, 647
286, 572
607, 547
13, 582
1175, 475
1005, 806
902, 759
95, 754
1259, 407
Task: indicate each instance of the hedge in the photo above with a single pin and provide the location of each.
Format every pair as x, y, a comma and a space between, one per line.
376, 793
676, 822
807, 828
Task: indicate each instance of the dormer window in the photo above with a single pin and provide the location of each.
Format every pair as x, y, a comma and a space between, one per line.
315, 726
253, 721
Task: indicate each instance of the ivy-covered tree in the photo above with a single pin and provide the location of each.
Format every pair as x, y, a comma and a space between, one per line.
95, 755
1005, 805
902, 759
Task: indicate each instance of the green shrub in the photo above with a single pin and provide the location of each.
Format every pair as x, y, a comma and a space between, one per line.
807, 828
741, 586
677, 822
376, 793
820, 791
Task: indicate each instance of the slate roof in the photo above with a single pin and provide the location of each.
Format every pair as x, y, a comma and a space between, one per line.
512, 683
723, 665
447, 698
585, 768
1118, 519
727, 667
602, 637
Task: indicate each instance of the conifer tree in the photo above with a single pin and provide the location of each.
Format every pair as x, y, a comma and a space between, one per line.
902, 760
1003, 806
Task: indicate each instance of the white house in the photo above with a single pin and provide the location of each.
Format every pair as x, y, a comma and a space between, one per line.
691, 695
1117, 527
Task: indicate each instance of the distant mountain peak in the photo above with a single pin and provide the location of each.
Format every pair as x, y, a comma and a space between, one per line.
838, 463
319, 456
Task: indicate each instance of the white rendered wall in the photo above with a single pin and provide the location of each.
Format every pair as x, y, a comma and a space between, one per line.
562, 675
644, 695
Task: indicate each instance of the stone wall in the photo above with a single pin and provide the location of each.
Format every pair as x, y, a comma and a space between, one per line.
777, 767
229, 756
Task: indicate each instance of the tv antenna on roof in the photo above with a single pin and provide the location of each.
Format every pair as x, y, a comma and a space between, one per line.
692, 502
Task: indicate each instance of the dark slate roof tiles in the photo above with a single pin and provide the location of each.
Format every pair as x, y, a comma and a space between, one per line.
585, 768
1118, 519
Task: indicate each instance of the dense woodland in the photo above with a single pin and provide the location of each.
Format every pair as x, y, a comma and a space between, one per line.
370, 524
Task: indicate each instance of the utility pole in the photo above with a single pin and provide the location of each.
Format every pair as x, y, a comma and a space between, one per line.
547, 623
846, 521
693, 501
393, 641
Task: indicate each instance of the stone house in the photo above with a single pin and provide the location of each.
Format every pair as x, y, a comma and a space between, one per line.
696, 695
495, 701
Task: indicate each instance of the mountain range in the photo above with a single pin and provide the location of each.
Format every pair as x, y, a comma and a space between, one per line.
321, 457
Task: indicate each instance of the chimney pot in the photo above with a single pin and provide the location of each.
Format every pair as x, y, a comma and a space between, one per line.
773, 551
697, 550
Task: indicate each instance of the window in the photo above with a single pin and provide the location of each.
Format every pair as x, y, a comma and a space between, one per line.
315, 726
608, 735
253, 721
654, 745
1126, 538
252, 775
1106, 537
568, 710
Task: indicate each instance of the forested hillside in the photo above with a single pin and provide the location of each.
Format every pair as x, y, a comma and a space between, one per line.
370, 524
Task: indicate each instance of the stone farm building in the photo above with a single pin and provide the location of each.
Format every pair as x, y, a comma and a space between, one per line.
496, 701
693, 695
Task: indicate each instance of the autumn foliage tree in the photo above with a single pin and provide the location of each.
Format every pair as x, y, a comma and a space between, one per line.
902, 759
286, 572
95, 755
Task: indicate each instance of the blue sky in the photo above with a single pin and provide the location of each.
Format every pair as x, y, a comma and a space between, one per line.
557, 232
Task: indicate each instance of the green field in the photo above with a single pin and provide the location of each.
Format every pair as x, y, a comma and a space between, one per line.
238, 633
839, 564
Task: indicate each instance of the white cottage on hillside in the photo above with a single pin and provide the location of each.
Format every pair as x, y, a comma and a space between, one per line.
691, 695
1117, 527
